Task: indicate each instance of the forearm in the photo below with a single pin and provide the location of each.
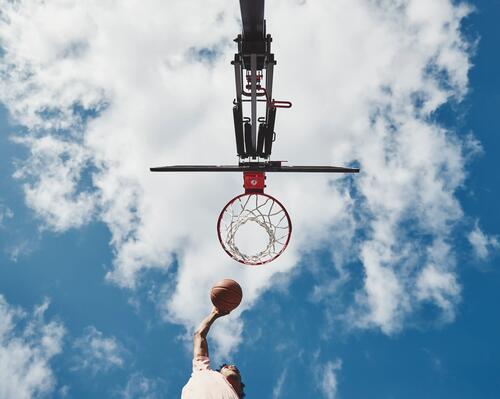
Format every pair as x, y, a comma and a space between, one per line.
200, 345
205, 325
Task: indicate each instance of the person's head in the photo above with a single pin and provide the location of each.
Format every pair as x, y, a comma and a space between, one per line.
232, 374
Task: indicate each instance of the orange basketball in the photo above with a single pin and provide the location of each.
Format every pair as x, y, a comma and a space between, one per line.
226, 295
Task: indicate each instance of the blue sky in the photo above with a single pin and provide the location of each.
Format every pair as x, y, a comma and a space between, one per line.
101, 281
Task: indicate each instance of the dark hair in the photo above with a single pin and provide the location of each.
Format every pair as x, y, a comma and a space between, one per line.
241, 382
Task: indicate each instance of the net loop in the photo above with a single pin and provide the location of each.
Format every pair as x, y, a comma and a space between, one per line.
267, 213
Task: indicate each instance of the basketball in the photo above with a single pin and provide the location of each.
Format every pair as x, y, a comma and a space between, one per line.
226, 295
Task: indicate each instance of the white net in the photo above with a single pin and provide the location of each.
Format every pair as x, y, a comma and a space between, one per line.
254, 228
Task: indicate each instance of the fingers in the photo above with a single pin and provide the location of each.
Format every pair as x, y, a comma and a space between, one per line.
218, 312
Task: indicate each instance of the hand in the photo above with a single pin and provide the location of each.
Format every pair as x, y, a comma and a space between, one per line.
218, 312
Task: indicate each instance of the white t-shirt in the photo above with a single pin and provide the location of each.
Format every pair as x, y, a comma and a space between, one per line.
206, 383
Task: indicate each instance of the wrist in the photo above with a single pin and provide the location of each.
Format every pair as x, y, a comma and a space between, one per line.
214, 316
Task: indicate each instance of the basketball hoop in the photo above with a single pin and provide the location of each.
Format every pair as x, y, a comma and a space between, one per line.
254, 228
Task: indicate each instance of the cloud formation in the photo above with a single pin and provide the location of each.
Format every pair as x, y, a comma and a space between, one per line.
106, 90
326, 375
140, 387
97, 352
27, 346
278, 387
482, 244
5, 214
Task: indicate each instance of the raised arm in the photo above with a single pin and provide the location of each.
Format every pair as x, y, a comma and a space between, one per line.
200, 346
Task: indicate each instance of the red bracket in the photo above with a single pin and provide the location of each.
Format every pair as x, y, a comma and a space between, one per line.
254, 182
273, 103
281, 104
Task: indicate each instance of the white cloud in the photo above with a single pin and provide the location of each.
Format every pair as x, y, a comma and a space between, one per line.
383, 293
27, 346
482, 244
439, 287
371, 75
64, 391
5, 213
97, 352
141, 387
21, 248
278, 387
326, 375
54, 196
437, 283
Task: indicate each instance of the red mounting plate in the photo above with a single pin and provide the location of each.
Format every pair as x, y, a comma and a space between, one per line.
254, 182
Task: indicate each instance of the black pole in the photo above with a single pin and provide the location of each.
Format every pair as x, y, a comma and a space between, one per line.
252, 16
